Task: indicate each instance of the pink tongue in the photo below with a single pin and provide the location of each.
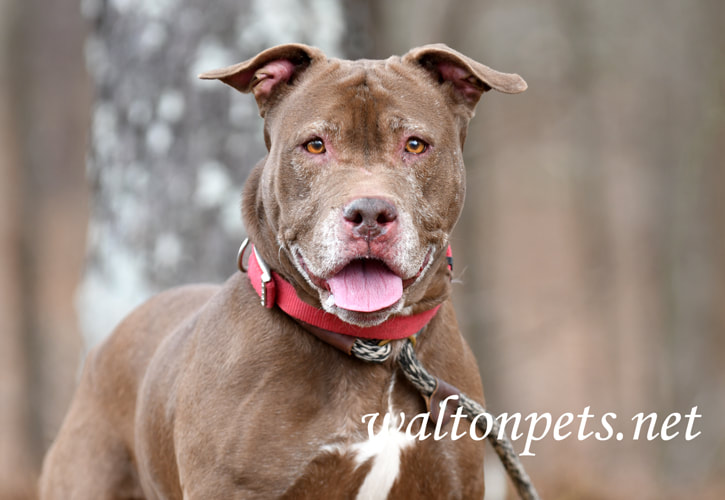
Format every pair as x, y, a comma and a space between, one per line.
365, 286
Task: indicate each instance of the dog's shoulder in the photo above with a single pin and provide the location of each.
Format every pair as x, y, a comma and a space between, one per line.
120, 360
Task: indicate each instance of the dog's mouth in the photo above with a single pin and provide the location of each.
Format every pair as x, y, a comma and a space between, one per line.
363, 285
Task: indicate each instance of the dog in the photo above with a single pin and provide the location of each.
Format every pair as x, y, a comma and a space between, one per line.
247, 390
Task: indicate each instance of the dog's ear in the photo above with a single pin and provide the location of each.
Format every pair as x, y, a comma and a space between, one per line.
469, 79
268, 72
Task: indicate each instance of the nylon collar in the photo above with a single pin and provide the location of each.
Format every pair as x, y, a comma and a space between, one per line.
275, 290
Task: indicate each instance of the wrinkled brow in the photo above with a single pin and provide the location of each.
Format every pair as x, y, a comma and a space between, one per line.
321, 128
398, 124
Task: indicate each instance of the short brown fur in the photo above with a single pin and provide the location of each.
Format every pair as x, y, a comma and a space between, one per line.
203, 393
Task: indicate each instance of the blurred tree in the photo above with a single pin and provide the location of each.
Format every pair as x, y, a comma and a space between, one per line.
44, 97
591, 248
169, 152
16, 465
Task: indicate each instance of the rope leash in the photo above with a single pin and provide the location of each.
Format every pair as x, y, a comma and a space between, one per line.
372, 351
274, 290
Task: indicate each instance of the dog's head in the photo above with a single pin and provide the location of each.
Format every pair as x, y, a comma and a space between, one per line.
364, 179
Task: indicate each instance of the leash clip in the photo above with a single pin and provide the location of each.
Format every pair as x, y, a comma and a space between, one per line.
265, 277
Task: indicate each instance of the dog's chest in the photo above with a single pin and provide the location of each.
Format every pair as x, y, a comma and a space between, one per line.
380, 460
303, 430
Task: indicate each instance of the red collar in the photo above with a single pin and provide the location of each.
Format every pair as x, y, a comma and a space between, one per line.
273, 289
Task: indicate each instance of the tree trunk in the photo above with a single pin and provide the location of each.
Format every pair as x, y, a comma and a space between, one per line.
42, 226
16, 468
169, 152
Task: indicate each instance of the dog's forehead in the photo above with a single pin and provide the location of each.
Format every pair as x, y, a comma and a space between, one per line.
367, 92
375, 74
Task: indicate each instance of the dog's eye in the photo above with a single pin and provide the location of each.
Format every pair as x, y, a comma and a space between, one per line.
415, 146
315, 146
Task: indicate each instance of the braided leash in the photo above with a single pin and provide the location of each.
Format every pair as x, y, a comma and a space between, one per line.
372, 351
266, 282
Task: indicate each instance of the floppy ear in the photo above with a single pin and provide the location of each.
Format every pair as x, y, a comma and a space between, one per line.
268, 72
469, 79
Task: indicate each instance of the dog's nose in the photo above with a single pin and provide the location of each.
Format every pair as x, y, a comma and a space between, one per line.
370, 217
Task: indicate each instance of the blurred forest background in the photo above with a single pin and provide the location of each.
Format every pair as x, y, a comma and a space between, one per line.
591, 250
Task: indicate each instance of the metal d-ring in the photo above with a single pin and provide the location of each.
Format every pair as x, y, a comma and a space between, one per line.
240, 255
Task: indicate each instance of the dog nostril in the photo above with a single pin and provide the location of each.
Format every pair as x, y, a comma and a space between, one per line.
370, 212
384, 218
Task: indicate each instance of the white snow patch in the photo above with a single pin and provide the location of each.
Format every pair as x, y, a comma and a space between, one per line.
105, 131
137, 178
97, 59
278, 21
108, 294
168, 250
171, 105
242, 112
152, 38
91, 9
210, 54
139, 112
231, 215
157, 8
212, 184
149, 8
121, 6
214, 189
159, 138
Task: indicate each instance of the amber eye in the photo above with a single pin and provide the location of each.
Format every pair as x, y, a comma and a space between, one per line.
415, 146
315, 146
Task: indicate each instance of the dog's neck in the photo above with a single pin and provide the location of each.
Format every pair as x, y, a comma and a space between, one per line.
273, 290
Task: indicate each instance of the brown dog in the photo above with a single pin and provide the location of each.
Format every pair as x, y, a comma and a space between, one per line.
203, 393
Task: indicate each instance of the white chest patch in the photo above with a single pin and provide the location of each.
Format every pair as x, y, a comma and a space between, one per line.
384, 449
